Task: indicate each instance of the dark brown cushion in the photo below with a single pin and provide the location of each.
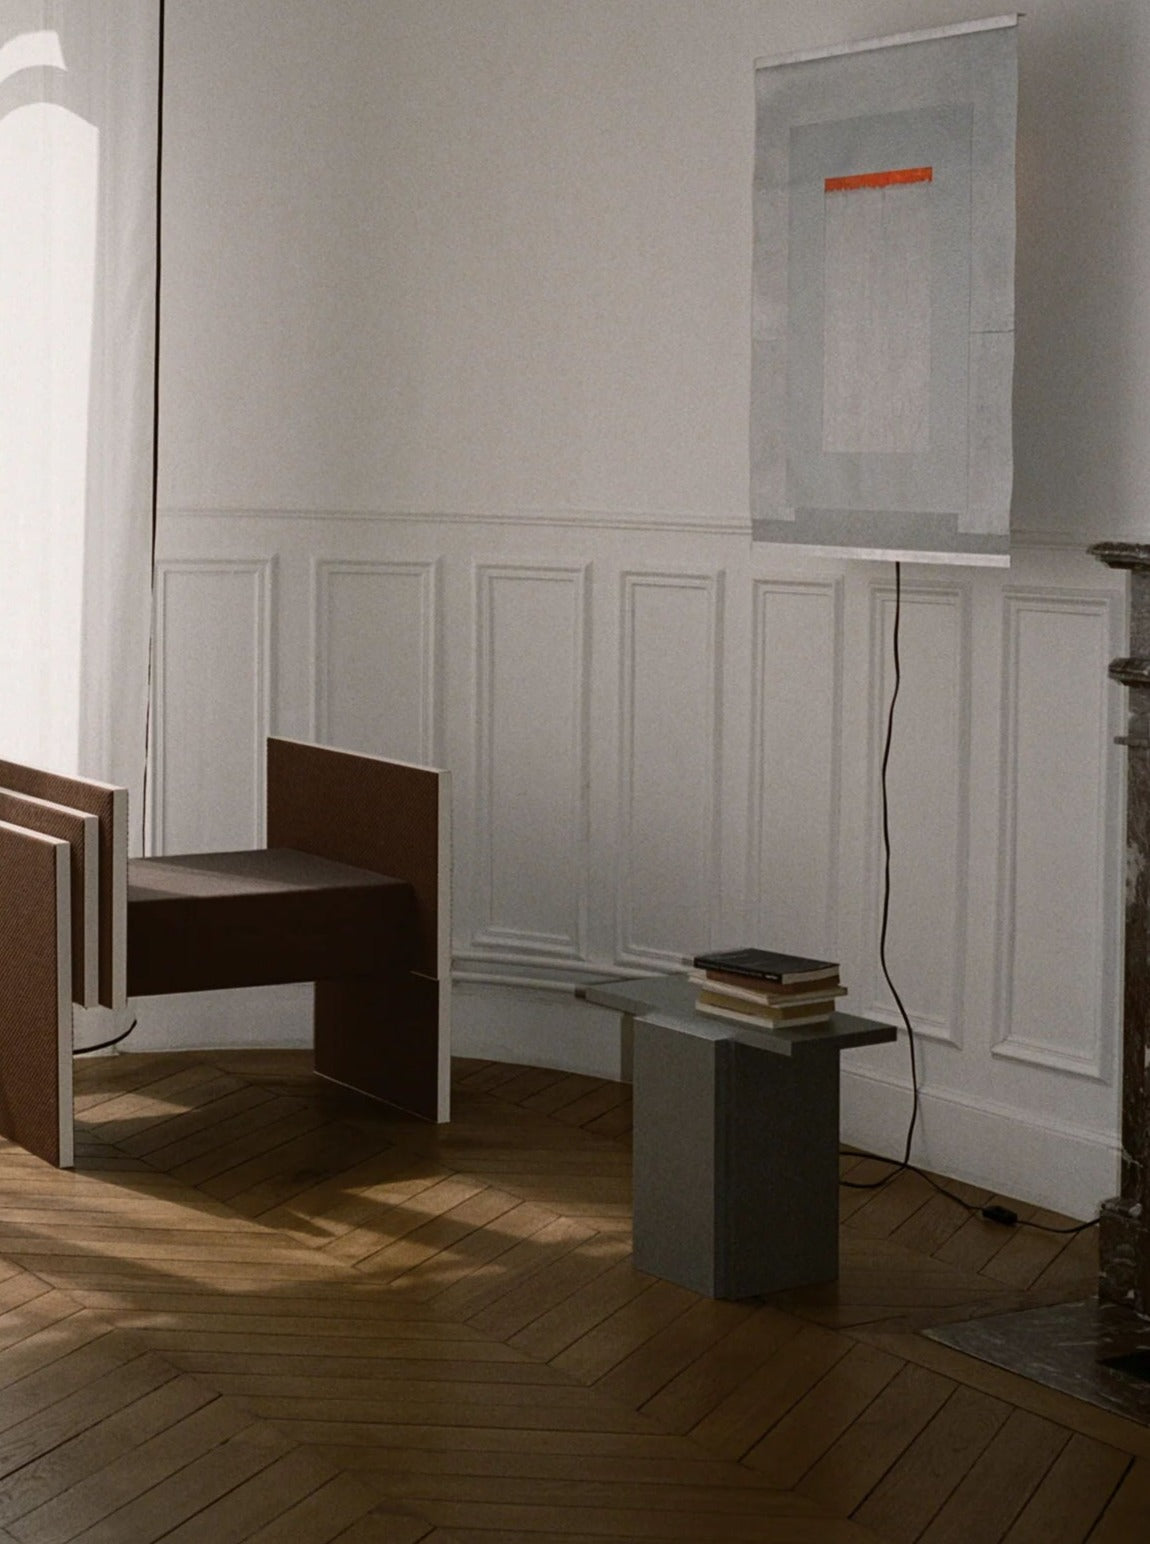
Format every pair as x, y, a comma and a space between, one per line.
228, 919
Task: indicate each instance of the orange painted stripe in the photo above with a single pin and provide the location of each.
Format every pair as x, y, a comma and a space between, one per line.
880, 179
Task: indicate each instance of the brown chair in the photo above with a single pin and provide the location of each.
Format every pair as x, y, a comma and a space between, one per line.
352, 892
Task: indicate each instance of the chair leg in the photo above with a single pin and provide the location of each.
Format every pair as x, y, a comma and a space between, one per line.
382, 1037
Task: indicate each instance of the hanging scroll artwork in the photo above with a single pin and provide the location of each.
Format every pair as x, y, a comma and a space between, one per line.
884, 296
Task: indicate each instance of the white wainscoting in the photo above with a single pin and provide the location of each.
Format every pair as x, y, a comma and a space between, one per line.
662, 739
794, 775
366, 616
529, 832
928, 789
1055, 865
212, 679
670, 737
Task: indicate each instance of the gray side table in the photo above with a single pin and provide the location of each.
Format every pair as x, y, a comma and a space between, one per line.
736, 1141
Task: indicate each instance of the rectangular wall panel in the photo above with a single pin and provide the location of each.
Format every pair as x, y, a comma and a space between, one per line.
531, 715
927, 782
375, 658
793, 879
669, 737
212, 691
1055, 991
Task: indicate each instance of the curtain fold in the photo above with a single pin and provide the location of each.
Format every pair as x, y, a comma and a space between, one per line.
78, 186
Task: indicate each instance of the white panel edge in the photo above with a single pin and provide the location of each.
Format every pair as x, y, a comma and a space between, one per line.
156, 812
319, 622
119, 898
896, 40
558, 945
264, 572
1039, 1053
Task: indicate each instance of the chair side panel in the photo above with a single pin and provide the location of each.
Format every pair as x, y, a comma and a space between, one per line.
110, 806
380, 815
35, 994
383, 1039
82, 833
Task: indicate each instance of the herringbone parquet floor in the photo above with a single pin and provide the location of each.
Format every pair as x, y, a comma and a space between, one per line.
264, 1310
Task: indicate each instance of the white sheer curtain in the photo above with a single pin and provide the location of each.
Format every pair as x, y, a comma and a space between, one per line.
78, 164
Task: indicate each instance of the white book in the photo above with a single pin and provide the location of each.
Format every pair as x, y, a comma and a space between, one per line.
775, 1001
756, 1020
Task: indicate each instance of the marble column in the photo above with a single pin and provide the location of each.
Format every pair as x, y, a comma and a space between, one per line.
1124, 1242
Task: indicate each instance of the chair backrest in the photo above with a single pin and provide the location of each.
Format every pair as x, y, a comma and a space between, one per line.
388, 816
109, 804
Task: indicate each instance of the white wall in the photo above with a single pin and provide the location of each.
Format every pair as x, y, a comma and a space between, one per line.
454, 459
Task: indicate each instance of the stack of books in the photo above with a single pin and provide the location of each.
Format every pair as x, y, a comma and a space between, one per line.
761, 989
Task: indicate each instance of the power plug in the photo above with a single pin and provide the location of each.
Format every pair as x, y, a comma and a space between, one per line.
1000, 1214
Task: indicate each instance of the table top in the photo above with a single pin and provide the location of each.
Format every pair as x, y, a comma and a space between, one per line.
669, 1001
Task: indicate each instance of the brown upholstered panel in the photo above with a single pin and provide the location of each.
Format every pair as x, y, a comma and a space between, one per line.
35, 994
379, 815
211, 920
382, 1038
110, 806
82, 833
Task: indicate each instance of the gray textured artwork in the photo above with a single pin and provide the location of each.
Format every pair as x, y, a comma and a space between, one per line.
884, 296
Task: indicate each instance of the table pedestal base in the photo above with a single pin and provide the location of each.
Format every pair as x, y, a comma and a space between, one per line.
736, 1164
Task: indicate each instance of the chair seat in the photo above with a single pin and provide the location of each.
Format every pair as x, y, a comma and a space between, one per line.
226, 919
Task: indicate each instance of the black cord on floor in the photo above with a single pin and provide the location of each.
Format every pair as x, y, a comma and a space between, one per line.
989, 1212
104, 1045
999, 1214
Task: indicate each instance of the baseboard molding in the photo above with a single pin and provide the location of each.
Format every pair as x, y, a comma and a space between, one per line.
1000, 1149
540, 1029
247, 1018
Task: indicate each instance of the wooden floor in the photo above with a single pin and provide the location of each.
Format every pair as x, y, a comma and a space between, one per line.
264, 1312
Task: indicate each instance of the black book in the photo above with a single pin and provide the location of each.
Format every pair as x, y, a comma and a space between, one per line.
766, 965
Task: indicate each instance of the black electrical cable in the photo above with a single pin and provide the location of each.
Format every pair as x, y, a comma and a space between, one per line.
897, 686
904, 1162
999, 1214
104, 1045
